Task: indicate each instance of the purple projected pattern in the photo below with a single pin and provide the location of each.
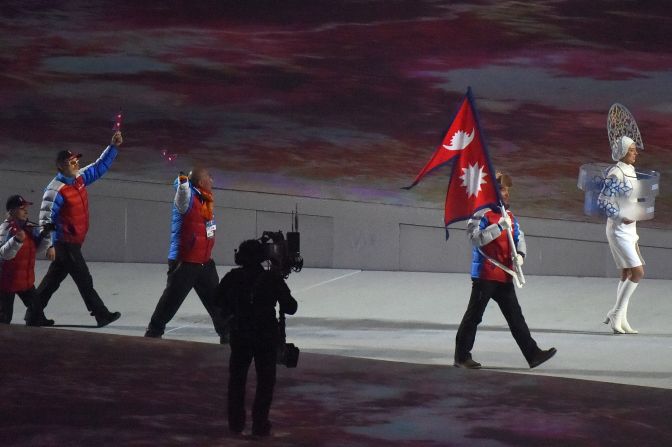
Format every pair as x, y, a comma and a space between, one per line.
336, 99
146, 392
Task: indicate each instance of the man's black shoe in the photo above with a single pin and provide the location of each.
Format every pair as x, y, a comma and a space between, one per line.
152, 334
468, 364
541, 356
107, 318
39, 321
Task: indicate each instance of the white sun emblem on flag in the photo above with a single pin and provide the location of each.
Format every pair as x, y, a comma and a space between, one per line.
472, 179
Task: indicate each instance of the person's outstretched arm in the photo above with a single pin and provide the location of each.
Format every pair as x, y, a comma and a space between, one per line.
183, 194
98, 168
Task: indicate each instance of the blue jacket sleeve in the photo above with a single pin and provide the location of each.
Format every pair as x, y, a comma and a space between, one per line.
95, 170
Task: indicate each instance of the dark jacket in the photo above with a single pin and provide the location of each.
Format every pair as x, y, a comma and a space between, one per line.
248, 296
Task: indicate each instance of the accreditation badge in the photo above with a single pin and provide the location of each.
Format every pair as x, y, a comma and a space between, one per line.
210, 228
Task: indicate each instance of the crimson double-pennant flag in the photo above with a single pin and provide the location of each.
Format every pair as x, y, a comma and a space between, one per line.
472, 183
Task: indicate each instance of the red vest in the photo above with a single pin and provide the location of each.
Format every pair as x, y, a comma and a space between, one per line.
195, 246
499, 250
73, 217
18, 274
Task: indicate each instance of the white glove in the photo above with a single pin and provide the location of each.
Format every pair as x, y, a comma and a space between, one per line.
519, 260
504, 222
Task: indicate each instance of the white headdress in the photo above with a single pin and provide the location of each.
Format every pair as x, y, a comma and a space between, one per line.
620, 147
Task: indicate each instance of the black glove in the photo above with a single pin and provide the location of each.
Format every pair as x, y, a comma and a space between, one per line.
47, 228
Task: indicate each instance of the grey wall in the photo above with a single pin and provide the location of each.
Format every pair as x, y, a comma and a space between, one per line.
130, 222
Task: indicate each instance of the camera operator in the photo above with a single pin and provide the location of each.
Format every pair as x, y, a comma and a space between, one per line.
248, 295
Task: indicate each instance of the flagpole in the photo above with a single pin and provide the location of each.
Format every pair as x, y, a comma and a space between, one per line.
519, 277
483, 137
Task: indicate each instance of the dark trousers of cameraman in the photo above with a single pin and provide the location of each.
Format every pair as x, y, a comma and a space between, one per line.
69, 261
264, 353
182, 277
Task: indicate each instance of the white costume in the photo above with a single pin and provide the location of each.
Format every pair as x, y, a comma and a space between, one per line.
617, 200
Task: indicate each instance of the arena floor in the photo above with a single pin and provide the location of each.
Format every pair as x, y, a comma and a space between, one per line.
375, 367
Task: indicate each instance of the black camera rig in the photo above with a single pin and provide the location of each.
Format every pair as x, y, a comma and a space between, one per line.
284, 256
287, 353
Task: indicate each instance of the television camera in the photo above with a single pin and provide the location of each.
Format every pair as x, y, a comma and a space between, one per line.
284, 256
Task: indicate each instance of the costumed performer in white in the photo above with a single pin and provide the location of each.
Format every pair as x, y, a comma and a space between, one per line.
615, 199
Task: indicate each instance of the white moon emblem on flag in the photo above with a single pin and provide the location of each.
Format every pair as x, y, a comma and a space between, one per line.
460, 140
472, 179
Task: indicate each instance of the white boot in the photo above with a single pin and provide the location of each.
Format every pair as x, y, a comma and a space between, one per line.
611, 311
616, 321
616, 318
624, 321
626, 326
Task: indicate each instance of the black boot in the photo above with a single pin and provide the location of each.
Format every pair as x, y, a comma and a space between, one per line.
468, 364
541, 356
36, 318
106, 318
153, 332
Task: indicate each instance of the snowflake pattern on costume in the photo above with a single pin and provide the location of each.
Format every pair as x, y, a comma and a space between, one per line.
613, 189
611, 209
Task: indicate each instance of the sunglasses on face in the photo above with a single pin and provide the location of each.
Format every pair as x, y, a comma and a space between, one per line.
20, 208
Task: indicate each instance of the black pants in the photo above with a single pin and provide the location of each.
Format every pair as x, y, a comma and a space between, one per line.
30, 299
182, 277
264, 353
505, 296
69, 261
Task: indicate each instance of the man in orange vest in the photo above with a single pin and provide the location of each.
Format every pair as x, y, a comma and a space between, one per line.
65, 209
19, 241
190, 263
